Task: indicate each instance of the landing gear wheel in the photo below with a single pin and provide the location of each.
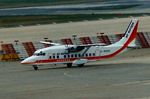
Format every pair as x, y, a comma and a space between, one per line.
69, 65
81, 65
35, 67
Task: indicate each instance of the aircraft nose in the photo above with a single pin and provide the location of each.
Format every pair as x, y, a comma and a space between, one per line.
24, 62
27, 61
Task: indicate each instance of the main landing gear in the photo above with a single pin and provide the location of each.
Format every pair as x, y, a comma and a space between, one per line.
80, 65
35, 67
69, 65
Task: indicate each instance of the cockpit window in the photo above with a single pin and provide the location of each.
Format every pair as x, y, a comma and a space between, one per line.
39, 54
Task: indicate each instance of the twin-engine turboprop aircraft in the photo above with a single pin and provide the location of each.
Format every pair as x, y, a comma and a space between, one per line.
82, 54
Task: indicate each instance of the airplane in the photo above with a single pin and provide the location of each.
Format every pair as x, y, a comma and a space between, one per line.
82, 54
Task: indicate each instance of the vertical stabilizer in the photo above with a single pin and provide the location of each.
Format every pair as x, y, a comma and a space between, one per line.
130, 34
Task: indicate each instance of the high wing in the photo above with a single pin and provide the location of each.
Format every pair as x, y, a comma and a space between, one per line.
50, 43
74, 48
84, 45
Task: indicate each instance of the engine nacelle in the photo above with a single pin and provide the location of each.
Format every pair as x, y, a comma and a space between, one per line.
80, 61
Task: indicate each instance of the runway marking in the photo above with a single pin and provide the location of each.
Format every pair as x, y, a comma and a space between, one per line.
143, 98
145, 82
127, 83
68, 75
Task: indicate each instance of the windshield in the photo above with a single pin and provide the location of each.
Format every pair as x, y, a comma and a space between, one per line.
39, 54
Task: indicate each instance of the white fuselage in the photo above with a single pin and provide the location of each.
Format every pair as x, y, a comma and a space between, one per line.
60, 54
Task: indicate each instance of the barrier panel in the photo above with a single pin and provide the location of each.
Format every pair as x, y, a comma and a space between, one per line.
143, 41
67, 41
26, 49
94, 39
85, 40
8, 49
119, 36
29, 48
77, 41
38, 45
104, 39
20, 50
147, 37
113, 38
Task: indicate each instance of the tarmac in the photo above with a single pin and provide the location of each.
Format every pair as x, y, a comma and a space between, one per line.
123, 77
66, 30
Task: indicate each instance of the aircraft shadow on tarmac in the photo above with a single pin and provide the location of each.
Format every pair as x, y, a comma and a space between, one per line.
97, 66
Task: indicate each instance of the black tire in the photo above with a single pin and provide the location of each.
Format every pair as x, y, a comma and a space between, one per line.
35, 67
69, 65
81, 65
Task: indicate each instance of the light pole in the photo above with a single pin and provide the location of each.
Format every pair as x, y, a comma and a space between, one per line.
74, 38
17, 47
45, 38
16, 42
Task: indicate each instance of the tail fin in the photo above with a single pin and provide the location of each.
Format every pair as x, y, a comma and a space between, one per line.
130, 34
126, 40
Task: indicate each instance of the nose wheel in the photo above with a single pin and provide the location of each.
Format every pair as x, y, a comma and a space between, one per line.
35, 67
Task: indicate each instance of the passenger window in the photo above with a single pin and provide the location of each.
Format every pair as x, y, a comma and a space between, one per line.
54, 57
89, 54
57, 56
72, 55
86, 55
75, 55
68, 56
93, 54
64, 56
79, 55
50, 57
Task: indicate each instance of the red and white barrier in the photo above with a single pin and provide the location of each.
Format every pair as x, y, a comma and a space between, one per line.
67, 41
142, 39
27, 49
85, 40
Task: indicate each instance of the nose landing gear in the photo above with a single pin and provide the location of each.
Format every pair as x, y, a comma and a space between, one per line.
35, 67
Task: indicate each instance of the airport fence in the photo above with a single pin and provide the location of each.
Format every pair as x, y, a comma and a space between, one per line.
22, 50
